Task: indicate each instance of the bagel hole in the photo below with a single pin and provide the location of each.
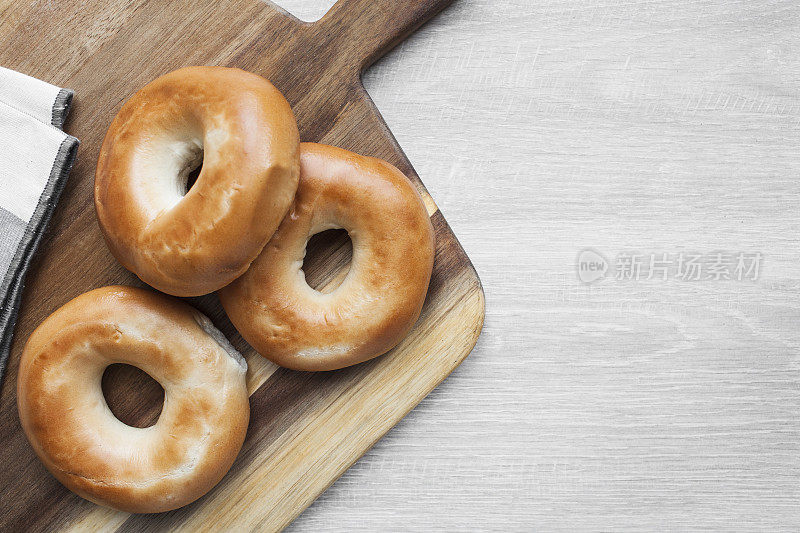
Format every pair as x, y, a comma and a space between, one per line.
191, 177
190, 165
190, 174
327, 260
134, 397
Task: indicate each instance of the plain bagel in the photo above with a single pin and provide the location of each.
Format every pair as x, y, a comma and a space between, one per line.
381, 297
65, 416
242, 130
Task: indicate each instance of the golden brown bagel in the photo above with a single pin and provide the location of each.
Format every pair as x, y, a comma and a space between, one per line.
243, 130
65, 416
378, 302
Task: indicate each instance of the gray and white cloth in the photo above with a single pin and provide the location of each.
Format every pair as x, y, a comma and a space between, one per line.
35, 159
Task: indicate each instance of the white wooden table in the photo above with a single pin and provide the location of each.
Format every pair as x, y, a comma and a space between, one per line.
631, 127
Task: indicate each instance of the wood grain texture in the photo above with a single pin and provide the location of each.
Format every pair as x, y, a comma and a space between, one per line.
306, 429
544, 127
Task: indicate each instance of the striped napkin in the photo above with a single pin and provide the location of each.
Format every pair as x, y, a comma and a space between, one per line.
35, 159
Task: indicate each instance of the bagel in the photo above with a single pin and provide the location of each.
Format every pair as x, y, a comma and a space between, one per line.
381, 297
65, 416
243, 131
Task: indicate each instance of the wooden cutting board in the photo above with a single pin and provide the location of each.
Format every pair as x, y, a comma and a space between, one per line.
306, 429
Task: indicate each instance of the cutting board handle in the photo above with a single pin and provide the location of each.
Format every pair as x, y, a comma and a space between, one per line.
376, 26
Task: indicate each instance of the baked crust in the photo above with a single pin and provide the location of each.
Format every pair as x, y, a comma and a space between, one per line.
246, 134
64, 414
382, 295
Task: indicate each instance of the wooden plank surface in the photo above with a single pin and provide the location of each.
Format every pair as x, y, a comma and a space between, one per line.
306, 429
621, 125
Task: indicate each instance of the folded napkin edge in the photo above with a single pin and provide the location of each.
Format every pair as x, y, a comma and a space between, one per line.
61, 107
14, 283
